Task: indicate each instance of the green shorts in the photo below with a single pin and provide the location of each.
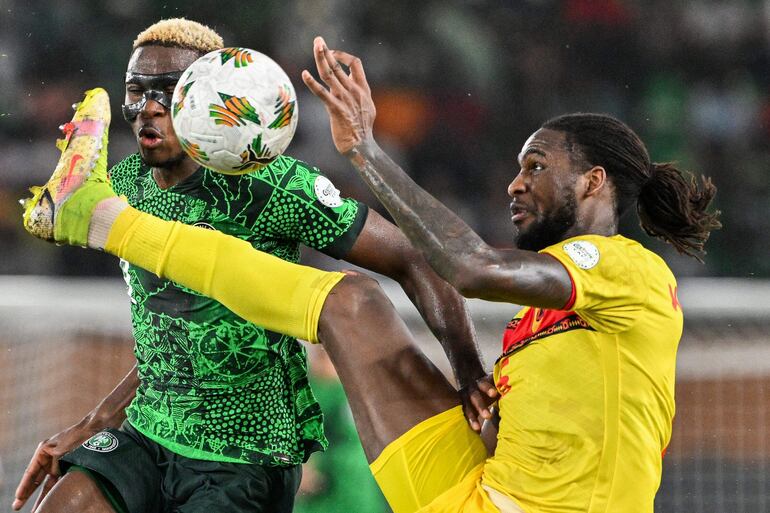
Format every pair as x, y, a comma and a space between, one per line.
140, 476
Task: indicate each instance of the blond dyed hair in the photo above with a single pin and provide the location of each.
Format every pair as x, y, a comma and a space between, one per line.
180, 32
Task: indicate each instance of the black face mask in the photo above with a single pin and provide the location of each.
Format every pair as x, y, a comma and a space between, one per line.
154, 89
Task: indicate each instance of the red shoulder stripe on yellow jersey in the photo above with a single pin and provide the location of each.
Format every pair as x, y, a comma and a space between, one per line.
537, 323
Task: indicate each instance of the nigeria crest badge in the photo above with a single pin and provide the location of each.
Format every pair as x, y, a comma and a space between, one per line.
103, 441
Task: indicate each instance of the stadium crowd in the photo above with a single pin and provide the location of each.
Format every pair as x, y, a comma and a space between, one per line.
458, 85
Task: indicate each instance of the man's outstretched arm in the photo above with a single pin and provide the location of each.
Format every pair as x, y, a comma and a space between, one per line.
381, 247
44, 465
452, 248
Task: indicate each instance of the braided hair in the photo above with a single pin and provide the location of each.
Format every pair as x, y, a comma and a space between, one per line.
671, 205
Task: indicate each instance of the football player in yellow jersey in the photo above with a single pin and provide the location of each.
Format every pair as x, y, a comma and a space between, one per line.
586, 374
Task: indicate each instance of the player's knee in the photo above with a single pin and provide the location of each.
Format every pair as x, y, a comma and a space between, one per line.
354, 296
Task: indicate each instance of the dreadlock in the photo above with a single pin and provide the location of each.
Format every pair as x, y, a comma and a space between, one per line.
671, 205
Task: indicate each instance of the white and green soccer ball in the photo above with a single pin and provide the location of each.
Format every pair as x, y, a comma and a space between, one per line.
234, 110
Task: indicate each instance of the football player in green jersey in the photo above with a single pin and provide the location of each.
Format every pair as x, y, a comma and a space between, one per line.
217, 413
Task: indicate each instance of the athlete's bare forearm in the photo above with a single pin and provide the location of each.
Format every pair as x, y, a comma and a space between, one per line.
452, 248
110, 412
445, 312
445, 240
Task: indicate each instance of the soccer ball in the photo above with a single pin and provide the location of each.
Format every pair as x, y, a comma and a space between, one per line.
234, 110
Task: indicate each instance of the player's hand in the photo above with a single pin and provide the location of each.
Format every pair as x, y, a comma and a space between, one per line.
476, 399
348, 99
43, 468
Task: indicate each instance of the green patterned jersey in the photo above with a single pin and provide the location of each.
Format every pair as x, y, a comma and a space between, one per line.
214, 386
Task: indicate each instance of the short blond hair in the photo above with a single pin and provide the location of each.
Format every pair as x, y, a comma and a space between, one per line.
180, 32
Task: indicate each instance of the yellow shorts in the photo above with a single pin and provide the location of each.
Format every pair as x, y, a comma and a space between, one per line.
435, 467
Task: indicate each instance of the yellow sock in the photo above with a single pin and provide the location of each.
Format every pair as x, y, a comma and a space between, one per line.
270, 292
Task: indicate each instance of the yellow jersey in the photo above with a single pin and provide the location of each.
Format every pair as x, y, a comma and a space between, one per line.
587, 393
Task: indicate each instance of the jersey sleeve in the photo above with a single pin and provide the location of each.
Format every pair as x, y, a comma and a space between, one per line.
609, 290
306, 207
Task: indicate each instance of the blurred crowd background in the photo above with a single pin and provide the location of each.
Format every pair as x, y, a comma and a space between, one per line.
459, 86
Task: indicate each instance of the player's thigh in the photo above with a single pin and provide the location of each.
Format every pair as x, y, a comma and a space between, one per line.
390, 384
76, 492
208, 486
123, 468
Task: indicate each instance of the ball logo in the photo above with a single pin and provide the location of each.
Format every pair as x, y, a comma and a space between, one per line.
242, 56
234, 111
194, 150
103, 441
284, 108
182, 94
326, 192
585, 254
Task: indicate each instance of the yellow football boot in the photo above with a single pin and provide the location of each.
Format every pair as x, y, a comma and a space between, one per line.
60, 210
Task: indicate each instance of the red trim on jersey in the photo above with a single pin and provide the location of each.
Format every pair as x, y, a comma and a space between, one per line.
539, 323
